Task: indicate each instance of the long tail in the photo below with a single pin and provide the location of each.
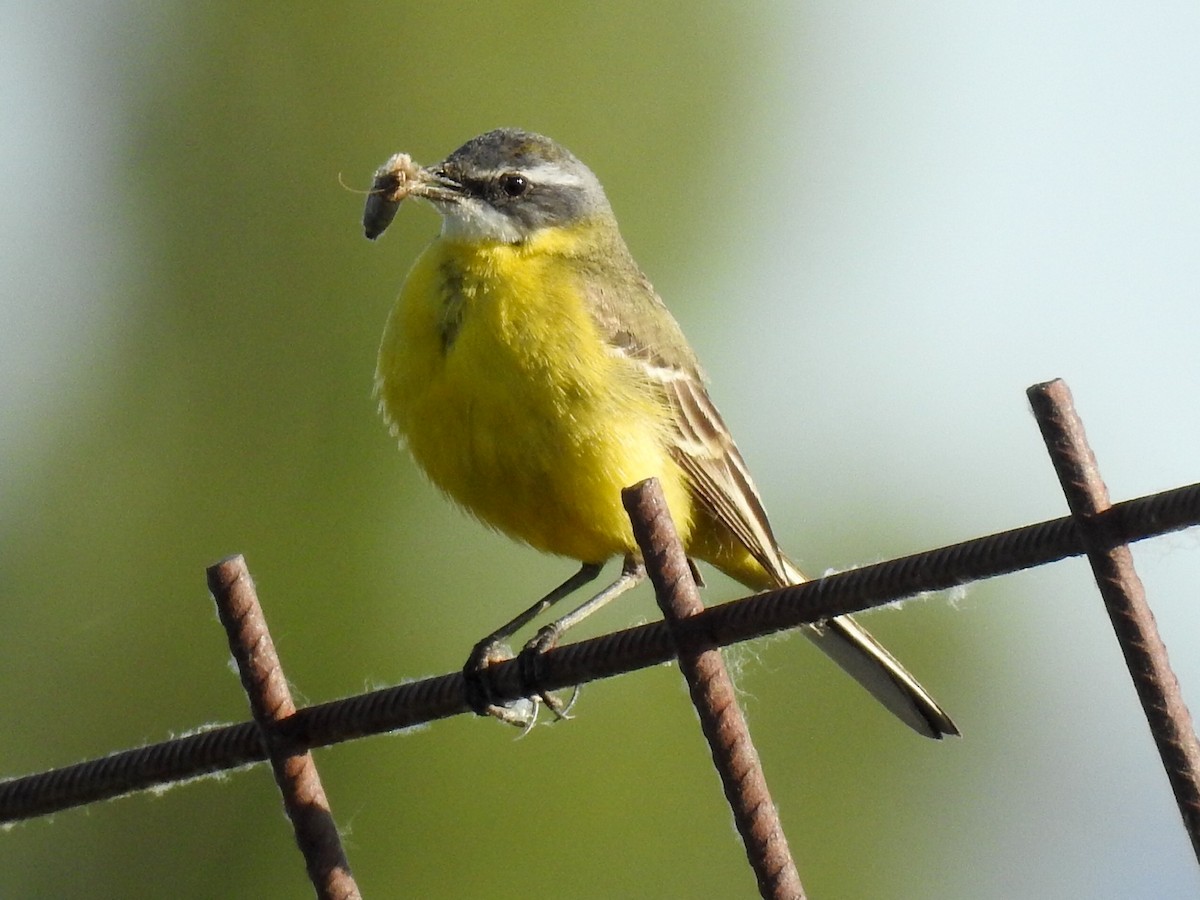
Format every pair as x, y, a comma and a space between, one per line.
866, 661
731, 519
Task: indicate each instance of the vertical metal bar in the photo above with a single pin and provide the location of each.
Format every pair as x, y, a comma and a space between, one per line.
1124, 598
714, 697
270, 702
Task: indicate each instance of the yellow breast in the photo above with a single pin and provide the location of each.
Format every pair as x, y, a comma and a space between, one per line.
494, 372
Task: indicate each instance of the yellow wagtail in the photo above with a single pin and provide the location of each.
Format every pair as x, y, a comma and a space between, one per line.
534, 373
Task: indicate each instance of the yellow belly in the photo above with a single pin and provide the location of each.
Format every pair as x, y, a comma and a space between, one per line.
496, 376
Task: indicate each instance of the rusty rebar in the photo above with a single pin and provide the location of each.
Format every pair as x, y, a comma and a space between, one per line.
422, 701
270, 703
1124, 598
713, 695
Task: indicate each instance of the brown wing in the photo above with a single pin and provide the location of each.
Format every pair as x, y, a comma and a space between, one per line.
718, 474
645, 333
642, 330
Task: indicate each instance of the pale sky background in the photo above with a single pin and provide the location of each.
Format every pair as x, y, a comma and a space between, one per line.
983, 197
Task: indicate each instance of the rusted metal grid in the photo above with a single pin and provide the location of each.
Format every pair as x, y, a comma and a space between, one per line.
283, 734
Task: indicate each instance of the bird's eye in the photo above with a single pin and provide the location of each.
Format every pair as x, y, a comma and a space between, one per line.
513, 184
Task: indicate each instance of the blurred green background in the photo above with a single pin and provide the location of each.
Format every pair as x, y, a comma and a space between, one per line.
877, 225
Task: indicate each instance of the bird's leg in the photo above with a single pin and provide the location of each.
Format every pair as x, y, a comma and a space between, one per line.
491, 649
632, 574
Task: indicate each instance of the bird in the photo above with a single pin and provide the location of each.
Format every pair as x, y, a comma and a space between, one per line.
533, 372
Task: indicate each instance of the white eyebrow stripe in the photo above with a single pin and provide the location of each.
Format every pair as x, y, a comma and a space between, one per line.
552, 174
542, 173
